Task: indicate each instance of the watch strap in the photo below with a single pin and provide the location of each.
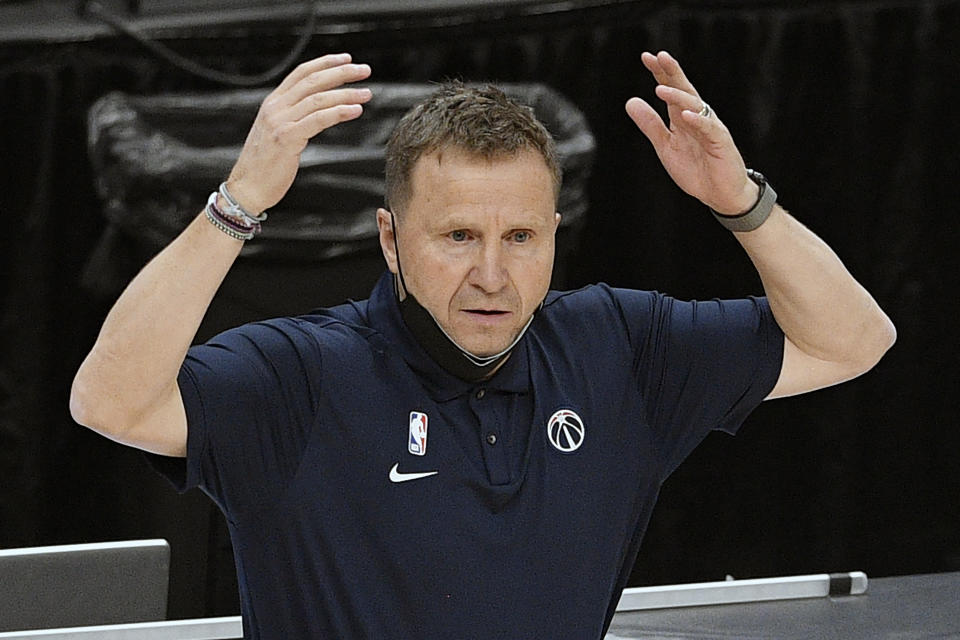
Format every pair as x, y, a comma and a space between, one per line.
758, 213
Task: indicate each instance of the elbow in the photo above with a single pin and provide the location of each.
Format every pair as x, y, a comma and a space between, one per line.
91, 406
877, 339
78, 408
890, 332
84, 404
886, 335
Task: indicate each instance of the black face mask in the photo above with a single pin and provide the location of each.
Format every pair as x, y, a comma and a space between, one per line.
435, 341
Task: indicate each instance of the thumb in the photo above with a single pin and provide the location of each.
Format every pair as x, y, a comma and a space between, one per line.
648, 120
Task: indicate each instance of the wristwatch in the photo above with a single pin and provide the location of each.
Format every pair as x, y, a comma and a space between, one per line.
758, 213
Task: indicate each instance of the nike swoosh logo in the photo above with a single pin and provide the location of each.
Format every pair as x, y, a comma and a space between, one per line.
396, 476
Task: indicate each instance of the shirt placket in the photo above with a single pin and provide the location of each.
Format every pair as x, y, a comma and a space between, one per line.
489, 408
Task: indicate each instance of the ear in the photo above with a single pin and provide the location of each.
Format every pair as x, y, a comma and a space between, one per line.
387, 245
556, 223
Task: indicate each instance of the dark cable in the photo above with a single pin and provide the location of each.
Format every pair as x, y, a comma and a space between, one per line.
96, 9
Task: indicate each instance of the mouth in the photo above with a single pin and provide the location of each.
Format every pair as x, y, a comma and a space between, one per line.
487, 316
487, 312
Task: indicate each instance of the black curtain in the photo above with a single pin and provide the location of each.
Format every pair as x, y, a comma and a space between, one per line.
848, 107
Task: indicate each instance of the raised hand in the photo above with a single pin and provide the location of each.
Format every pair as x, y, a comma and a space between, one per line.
696, 149
310, 99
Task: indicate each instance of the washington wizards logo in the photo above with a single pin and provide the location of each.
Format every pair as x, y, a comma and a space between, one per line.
565, 430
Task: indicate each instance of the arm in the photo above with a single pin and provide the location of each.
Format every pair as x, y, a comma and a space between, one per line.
126, 388
834, 329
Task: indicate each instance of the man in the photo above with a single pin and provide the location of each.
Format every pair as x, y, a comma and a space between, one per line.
464, 455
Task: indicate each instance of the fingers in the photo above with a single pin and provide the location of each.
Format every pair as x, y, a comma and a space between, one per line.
325, 100
324, 79
667, 71
708, 128
676, 91
311, 99
683, 102
648, 120
679, 100
684, 112
311, 66
316, 121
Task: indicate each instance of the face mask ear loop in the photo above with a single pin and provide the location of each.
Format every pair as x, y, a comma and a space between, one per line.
396, 248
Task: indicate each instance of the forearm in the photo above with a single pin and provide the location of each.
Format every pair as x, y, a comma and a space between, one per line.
834, 328
821, 308
137, 356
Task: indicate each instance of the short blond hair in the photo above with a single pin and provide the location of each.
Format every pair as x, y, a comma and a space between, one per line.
482, 121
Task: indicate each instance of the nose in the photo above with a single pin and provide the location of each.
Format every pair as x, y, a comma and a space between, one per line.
489, 273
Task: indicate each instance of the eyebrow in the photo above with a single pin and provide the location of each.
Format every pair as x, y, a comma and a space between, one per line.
526, 220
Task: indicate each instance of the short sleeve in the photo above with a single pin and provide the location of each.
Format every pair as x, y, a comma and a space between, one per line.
250, 396
700, 366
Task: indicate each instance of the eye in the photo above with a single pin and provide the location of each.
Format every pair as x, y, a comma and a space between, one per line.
458, 236
521, 236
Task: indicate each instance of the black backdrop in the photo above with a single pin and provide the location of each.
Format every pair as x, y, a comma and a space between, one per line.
850, 108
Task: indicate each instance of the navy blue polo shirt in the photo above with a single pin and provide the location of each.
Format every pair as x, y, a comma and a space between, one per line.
370, 494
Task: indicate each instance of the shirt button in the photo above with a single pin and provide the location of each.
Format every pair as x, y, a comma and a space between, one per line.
491, 439
480, 393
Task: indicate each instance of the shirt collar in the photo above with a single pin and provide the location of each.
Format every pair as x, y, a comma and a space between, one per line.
384, 314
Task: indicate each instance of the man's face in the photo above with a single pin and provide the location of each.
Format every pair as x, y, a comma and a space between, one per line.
476, 243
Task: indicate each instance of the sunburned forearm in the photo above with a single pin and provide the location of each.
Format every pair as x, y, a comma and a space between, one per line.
821, 308
137, 356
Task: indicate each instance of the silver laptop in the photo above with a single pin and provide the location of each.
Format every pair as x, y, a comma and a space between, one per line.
83, 584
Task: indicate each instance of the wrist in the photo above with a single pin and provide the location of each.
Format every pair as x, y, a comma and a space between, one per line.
239, 196
747, 199
755, 215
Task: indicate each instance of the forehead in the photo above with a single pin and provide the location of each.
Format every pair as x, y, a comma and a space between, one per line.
453, 181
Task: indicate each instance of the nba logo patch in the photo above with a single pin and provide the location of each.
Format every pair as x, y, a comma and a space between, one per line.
417, 444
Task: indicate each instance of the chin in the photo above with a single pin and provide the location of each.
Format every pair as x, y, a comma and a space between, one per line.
484, 348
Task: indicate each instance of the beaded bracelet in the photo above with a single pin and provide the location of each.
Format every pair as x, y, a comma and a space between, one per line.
233, 227
239, 224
